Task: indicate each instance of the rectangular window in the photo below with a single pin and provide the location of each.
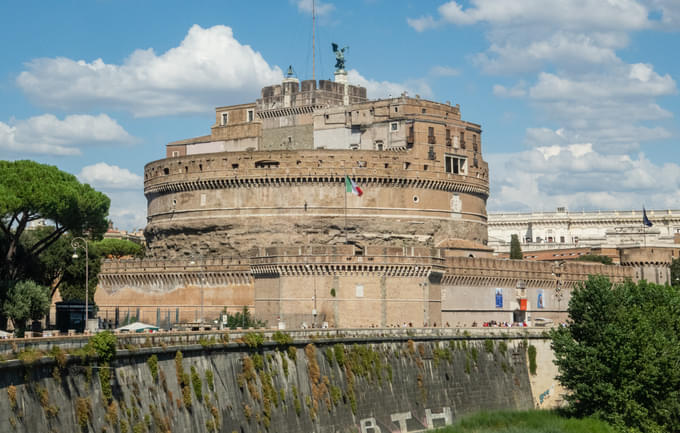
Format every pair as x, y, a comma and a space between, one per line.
251, 115
394, 126
562, 239
202, 199
456, 164
359, 291
175, 153
462, 140
225, 118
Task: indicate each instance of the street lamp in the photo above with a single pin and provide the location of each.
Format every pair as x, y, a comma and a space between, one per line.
200, 276
78, 242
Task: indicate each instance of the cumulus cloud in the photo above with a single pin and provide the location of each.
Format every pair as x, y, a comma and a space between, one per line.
579, 177
582, 15
48, 135
128, 209
105, 176
209, 67
385, 89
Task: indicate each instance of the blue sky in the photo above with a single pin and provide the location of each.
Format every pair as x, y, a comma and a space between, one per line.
578, 99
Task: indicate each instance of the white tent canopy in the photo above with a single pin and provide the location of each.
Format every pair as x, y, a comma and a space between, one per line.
137, 327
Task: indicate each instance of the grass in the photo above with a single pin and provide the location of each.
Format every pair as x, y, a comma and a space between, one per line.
533, 421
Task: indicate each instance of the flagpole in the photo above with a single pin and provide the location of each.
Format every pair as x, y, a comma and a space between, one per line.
344, 182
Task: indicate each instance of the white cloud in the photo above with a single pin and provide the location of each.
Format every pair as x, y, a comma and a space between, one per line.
444, 71
321, 8
128, 209
516, 91
577, 15
577, 176
630, 81
385, 89
209, 66
48, 135
423, 23
105, 176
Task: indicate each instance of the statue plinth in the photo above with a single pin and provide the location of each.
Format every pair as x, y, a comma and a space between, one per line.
341, 76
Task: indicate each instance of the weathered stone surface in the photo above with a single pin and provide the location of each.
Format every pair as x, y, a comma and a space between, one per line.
389, 386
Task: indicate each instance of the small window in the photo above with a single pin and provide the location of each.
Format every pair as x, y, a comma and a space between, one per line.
387, 165
394, 126
166, 171
359, 291
423, 111
203, 198
234, 166
251, 115
200, 167
225, 118
416, 199
396, 109
561, 239
378, 144
406, 165
462, 140
175, 153
425, 167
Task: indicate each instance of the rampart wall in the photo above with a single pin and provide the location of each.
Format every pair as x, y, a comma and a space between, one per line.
386, 381
346, 286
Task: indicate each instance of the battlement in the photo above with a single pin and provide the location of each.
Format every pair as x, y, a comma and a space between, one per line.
214, 170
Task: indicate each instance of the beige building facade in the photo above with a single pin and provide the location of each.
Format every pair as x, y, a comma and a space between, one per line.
257, 214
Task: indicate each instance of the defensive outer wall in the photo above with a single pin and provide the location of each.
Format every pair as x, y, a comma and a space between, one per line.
346, 286
369, 381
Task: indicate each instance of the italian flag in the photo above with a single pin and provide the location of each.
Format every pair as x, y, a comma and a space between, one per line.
352, 187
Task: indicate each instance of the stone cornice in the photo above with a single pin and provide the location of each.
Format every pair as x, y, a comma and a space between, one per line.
472, 186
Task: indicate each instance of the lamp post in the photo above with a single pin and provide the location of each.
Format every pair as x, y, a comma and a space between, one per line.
200, 276
78, 242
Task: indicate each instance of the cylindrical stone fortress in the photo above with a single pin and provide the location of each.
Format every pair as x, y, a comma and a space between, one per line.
272, 176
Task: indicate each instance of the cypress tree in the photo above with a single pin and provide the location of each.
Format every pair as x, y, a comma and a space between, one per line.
515, 249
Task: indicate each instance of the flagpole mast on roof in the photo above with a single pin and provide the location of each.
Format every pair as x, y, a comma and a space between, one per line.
345, 185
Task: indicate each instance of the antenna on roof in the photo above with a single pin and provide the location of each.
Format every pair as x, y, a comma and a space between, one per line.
313, 42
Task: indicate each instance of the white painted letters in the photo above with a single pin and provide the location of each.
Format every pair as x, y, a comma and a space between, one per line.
369, 425
445, 415
400, 420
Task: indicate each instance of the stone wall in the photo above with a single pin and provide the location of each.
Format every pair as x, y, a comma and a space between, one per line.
376, 384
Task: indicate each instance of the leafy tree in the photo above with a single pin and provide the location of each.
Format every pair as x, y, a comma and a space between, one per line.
243, 320
515, 248
605, 260
118, 248
620, 352
30, 191
25, 300
675, 272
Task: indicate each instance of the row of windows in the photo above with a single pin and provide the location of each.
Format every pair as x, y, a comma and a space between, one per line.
250, 116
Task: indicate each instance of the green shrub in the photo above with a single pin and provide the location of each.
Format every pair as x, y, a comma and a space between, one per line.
104, 343
339, 350
152, 362
531, 351
253, 339
105, 381
282, 339
209, 379
488, 345
197, 384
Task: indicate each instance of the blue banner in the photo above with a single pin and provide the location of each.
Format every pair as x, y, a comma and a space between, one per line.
540, 303
499, 298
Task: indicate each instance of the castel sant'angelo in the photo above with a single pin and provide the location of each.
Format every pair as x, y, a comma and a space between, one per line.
261, 213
